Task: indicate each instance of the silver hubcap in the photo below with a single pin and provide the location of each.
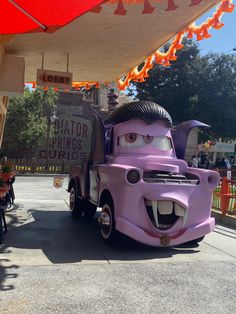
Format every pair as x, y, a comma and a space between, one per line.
105, 222
72, 199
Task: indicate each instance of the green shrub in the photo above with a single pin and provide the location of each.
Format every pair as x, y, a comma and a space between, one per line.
6, 168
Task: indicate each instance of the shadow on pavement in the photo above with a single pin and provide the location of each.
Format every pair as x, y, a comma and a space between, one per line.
64, 239
7, 272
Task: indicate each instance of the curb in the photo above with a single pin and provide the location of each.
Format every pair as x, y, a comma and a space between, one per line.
224, 220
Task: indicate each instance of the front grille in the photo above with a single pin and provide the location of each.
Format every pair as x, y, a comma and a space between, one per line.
166, 177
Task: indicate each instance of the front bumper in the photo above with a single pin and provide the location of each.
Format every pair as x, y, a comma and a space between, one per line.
160, 239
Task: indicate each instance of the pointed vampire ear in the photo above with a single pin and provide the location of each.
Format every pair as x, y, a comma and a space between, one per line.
180, 135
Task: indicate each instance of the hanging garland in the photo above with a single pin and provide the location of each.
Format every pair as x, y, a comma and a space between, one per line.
75, 85
147, 9
130, 1
139, 75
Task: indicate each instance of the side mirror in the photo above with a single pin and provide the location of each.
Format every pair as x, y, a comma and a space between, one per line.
108, 140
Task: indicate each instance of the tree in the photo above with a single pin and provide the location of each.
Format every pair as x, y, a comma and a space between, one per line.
217, 95
26, 122
196, 87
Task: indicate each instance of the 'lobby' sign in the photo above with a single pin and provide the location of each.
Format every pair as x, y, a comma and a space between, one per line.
54, 79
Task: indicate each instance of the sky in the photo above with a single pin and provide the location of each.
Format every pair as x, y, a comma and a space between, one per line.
222, 40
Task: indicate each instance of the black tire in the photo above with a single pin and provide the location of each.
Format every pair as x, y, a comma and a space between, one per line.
3, 225
1, 229
196, 241
89, 210
76, 204
110, 235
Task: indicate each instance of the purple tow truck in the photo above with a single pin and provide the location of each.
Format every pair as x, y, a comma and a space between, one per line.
136, 175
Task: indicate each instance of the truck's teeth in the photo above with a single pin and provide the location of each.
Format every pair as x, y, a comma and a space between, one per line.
181, 212
185, 218
154, 209
165, 207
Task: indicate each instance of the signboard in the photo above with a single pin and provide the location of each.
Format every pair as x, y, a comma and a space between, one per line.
70, 139
69, 136
54, 79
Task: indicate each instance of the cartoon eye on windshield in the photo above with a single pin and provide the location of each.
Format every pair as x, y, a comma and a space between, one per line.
134, 140
148, 139
130, 137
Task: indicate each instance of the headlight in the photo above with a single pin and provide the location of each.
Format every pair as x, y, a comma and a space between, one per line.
212, 179
133, 176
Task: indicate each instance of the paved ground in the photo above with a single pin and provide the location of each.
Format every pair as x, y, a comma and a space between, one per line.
51, 263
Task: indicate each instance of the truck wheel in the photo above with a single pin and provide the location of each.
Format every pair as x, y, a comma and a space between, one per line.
1, 229
106, 223
89, 209
76, 206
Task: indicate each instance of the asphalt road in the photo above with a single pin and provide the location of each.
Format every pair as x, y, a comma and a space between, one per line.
51, 263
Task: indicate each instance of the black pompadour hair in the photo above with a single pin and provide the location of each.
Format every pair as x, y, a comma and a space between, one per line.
147, 111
